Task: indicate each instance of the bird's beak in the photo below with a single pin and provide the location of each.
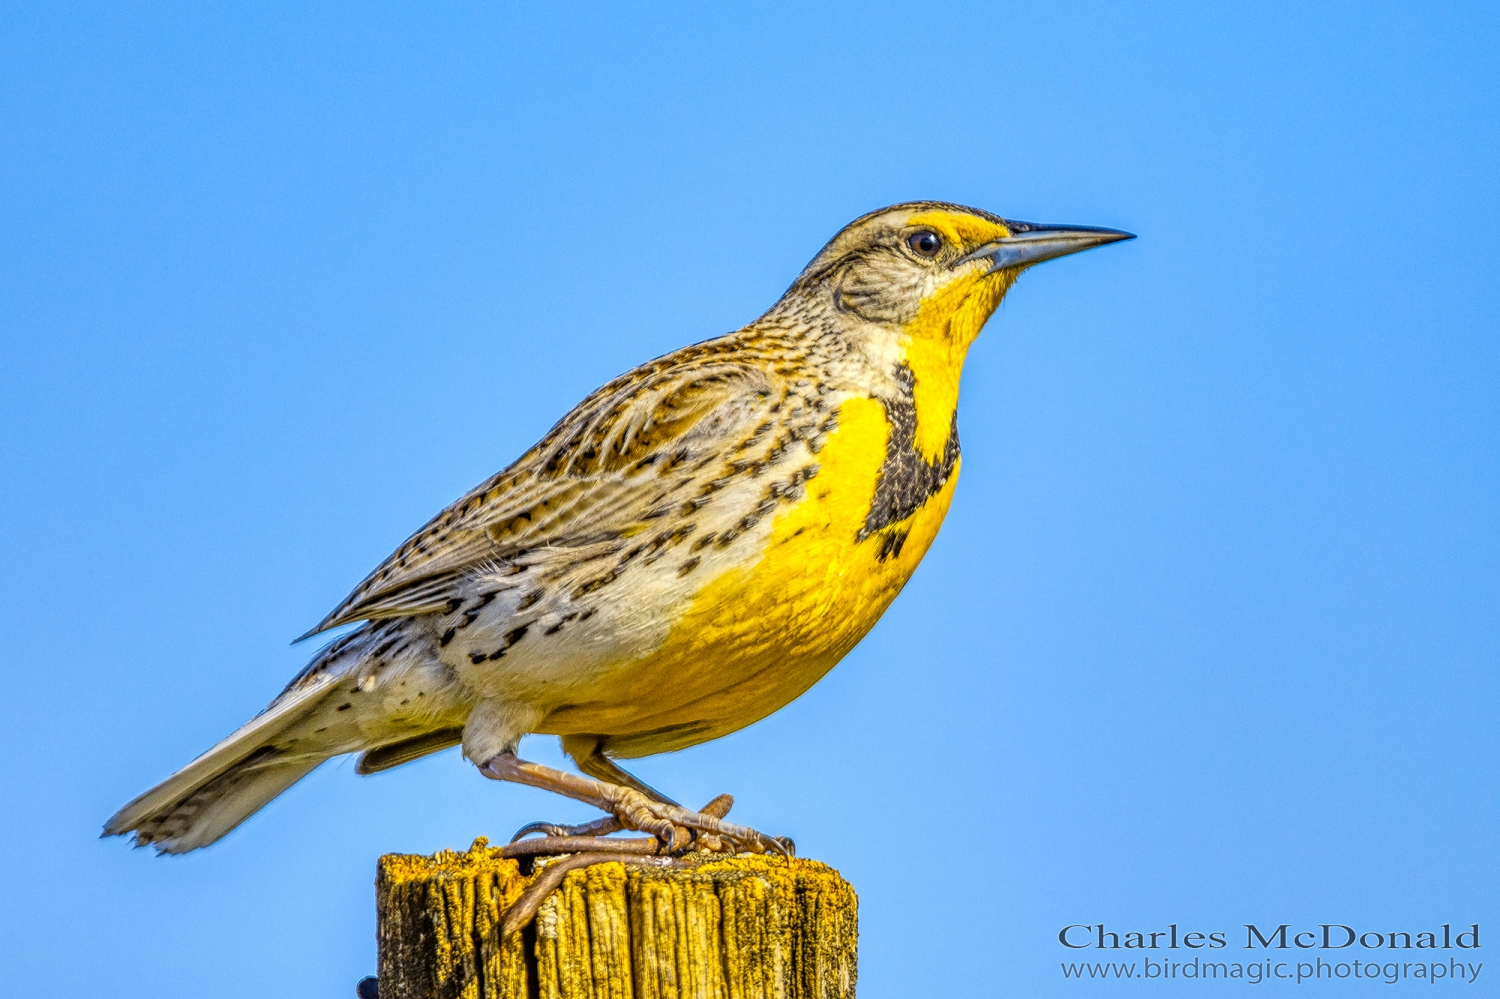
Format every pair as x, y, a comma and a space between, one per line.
1029, 243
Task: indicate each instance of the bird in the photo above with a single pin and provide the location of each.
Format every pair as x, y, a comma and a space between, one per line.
692, 547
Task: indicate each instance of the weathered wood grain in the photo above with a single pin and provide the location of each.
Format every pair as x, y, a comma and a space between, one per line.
742, 927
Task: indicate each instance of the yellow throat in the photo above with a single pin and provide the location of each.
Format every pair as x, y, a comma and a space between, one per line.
948, 321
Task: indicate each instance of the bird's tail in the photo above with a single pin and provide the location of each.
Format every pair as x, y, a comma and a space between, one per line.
340, 704
226, 785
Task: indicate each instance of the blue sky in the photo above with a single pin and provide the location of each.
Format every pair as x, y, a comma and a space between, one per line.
1209, 636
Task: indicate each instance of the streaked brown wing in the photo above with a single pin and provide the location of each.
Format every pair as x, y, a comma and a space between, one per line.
620, 459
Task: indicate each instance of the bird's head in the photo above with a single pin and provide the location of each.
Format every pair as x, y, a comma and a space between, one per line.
915, 283
933, 269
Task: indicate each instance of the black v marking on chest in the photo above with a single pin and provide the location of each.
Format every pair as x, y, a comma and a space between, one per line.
907, 480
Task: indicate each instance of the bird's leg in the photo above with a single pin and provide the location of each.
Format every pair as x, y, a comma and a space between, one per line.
597, 765
588, 753
674, 827
591, 760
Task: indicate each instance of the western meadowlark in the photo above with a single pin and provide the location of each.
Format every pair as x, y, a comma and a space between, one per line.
688, 550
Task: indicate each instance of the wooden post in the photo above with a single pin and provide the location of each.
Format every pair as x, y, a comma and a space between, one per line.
741, 927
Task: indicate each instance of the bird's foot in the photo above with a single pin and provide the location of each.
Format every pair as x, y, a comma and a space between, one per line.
673, 830
680, 830
587, 844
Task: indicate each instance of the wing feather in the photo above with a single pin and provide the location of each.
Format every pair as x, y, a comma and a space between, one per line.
619, 459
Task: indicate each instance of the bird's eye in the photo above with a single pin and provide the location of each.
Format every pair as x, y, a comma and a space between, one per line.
925, 243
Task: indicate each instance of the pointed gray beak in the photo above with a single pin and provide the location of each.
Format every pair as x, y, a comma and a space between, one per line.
1030, 243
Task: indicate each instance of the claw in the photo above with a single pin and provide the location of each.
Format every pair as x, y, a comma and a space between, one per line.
598, 827
545, 828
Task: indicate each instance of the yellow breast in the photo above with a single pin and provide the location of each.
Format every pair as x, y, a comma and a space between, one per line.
757, 636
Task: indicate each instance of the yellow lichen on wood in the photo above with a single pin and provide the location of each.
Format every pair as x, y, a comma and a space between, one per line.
743, 927
439, 925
